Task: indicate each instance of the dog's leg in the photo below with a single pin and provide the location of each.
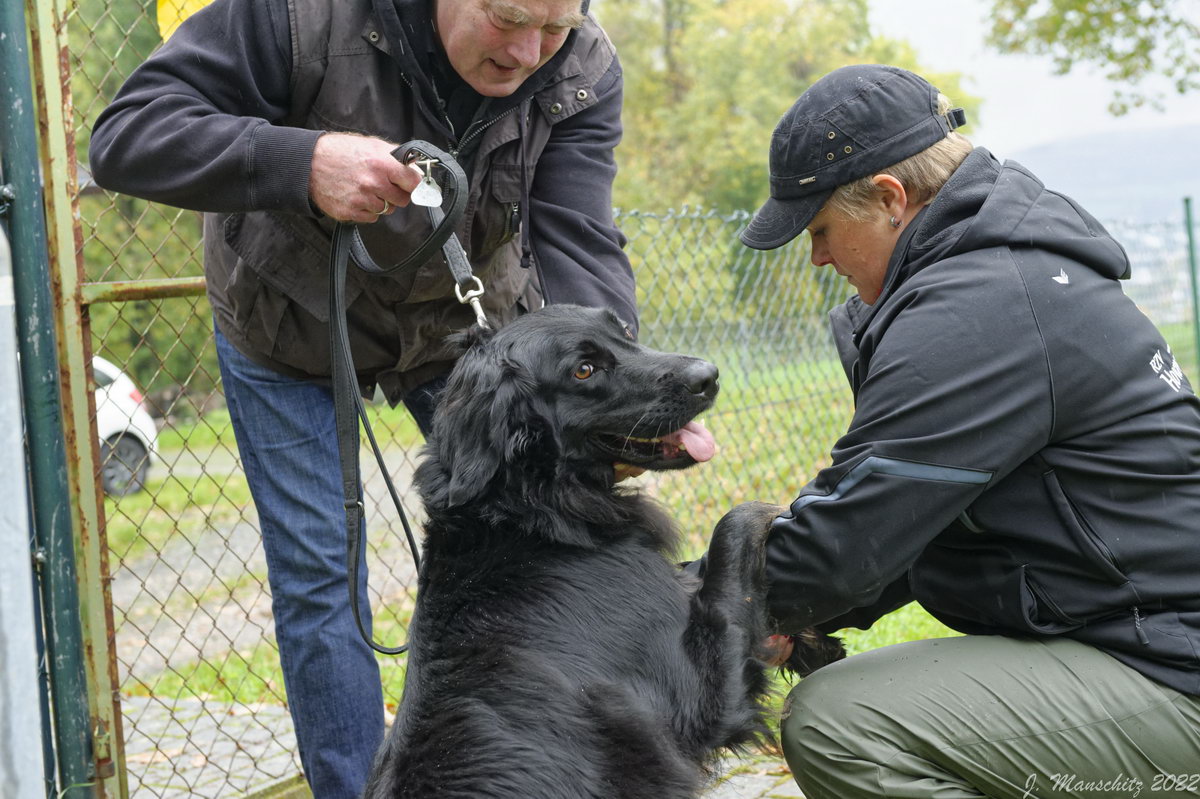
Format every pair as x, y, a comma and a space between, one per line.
726, 626
748, 524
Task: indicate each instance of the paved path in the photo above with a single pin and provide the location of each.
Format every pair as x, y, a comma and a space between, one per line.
760, 777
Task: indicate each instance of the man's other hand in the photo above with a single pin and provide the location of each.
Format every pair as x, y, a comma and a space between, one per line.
355, 178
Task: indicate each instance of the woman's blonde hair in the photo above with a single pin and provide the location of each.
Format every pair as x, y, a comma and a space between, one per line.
922, 175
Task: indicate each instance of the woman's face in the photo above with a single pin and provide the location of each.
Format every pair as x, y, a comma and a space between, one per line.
858, 250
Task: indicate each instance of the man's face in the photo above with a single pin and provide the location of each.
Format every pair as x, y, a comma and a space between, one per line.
494, 45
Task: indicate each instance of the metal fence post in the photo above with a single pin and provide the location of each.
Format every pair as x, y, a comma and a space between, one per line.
21, 765
1190, 226
49, 41
20, 164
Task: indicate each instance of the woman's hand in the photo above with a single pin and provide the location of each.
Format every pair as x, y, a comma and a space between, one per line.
777, 649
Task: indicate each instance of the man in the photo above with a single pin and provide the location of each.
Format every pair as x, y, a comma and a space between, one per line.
1024, 461
277, 118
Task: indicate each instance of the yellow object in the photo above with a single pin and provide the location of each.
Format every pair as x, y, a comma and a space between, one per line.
173, 12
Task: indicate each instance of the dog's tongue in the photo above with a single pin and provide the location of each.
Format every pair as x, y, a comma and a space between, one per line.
696, 439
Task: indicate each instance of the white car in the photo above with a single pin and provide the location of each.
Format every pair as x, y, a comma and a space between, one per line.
128, 436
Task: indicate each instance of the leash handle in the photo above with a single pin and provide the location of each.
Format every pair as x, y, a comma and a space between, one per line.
348, 407
443, 225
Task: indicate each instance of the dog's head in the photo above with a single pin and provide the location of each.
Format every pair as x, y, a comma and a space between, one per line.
555, 399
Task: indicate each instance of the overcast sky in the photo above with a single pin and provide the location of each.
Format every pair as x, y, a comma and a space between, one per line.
1025, 104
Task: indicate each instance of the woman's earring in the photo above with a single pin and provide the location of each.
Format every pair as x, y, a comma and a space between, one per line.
896, 222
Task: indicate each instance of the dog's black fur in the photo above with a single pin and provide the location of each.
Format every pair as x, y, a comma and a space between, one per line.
556, 650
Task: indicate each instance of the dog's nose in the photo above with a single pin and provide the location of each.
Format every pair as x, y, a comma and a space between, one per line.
700, 377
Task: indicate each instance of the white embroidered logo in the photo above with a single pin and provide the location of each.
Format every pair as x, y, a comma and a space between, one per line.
1061, 277
1171, 374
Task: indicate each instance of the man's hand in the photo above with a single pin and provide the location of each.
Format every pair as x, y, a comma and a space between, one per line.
354, 176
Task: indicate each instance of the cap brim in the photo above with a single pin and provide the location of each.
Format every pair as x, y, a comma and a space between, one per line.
780, 221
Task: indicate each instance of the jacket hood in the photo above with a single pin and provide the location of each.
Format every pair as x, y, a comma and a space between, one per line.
989, 204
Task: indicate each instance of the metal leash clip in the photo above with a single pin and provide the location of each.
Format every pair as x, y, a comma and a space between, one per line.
472, 296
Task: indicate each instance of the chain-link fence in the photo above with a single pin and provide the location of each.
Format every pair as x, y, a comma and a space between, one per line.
200, 682
196, 668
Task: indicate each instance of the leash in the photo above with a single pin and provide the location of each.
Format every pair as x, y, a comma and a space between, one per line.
348, 406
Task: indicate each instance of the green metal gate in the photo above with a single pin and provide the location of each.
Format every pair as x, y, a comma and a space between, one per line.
166, 676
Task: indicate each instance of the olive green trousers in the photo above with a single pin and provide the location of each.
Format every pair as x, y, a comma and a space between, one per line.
990, 716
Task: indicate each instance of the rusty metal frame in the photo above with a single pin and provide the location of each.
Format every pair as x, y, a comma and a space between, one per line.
51, 78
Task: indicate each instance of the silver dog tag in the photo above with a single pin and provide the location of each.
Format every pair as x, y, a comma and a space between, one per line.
427, 193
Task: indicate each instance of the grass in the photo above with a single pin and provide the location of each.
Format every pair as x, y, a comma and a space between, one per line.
781, 444
214, 430
143, 523
909, 623
254, 676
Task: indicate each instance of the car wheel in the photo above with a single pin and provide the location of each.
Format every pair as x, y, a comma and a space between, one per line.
123, 466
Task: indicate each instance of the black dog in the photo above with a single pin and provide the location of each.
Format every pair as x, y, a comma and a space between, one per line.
556, 651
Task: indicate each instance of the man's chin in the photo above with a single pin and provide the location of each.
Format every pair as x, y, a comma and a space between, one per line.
491, 81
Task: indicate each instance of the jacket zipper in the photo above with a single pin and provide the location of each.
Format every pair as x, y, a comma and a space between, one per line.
474, 131
514, 220
1137, 626
440, 107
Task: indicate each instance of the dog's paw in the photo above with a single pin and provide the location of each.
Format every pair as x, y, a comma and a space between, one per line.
811, 650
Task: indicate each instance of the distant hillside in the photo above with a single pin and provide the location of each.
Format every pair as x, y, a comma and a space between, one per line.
1139, 176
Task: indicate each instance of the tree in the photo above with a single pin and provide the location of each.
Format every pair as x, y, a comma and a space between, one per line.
706, 81
1131, 40
163, 344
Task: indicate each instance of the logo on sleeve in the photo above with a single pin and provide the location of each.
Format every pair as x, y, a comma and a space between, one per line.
1061, 277
1167, 369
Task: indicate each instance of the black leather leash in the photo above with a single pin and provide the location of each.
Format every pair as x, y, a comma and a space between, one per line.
347, 398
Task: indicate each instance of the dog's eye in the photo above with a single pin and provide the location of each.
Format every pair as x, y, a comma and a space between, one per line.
584, 370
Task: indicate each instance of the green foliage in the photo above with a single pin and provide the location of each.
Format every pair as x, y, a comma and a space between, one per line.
1130, 40
707, 80
164, 345
909, 623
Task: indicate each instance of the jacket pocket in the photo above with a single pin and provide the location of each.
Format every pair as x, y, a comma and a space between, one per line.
498, 217
1090, 545
1040, 612
289, 256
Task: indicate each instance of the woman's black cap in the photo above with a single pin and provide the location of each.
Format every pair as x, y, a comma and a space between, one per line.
852, 123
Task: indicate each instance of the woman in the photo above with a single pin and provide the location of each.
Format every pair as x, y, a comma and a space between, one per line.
1024, 461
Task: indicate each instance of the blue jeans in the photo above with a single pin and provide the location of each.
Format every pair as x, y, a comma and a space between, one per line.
288, 446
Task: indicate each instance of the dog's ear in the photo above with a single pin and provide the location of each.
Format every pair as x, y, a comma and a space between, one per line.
489, 419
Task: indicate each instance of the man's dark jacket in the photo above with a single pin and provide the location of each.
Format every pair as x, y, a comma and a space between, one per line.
1024, 457
224, 118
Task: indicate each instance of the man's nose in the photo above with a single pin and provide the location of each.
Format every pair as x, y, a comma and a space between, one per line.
525, 48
